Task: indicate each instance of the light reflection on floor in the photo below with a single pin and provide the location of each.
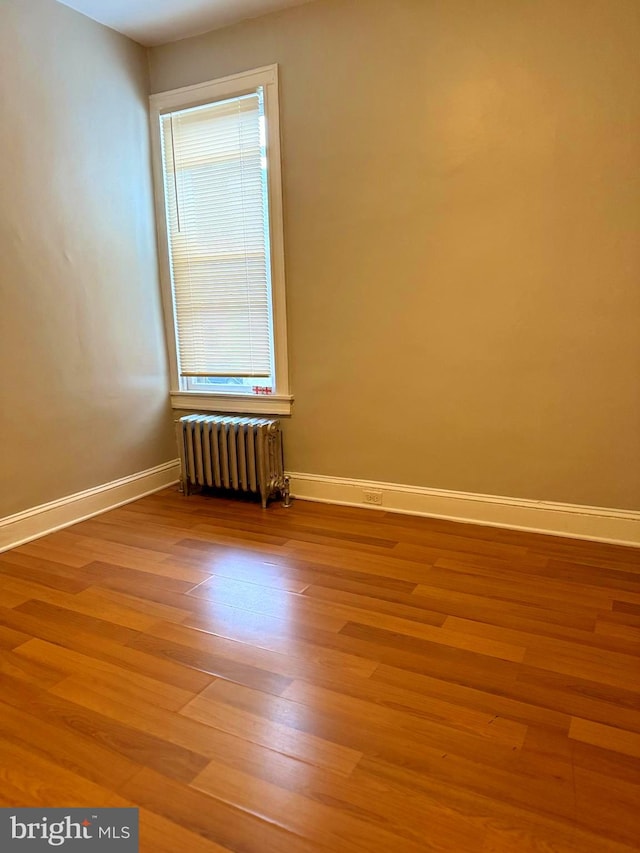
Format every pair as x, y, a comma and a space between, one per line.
234, 603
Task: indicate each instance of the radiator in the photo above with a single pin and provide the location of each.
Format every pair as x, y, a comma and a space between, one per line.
244, 454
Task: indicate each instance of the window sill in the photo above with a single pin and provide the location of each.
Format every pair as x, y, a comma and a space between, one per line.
267, 404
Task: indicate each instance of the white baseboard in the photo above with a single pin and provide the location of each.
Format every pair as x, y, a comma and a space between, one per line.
617, 526
40, 520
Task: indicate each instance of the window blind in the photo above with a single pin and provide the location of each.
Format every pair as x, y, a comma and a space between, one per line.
217, 221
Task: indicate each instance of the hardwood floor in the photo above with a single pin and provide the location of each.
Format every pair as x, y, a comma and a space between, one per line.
324, 678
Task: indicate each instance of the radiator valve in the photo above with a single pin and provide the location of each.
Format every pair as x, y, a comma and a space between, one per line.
286, 493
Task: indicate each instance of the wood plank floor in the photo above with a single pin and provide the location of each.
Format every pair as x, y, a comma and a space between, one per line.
324, 679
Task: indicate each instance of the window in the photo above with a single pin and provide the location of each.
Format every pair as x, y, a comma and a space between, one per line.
219, 209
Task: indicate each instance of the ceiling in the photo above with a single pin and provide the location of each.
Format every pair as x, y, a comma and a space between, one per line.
153, 22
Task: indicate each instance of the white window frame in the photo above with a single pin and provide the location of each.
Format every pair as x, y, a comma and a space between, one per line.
280, 400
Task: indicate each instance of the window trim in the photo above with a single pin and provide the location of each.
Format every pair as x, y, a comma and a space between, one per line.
191, 96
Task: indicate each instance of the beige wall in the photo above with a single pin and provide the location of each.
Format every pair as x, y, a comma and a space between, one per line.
83, 385
462, 212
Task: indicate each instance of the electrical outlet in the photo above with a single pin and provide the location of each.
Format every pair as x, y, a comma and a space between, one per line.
372, 497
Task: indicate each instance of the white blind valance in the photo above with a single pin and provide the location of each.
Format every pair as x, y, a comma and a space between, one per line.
217, 222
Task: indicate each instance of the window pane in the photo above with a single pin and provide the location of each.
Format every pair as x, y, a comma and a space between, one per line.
216, 204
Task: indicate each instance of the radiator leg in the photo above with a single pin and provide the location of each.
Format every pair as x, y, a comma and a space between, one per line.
286, 494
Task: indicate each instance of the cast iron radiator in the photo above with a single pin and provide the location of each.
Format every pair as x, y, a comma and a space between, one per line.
243, 454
